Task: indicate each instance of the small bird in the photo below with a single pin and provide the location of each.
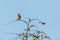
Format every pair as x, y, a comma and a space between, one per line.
18, 17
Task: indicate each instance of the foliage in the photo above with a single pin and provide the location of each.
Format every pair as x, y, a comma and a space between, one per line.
37, 35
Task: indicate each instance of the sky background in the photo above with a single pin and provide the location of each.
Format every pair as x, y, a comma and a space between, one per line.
45, 10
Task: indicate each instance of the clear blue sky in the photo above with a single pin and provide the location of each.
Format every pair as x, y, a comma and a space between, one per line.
46, 10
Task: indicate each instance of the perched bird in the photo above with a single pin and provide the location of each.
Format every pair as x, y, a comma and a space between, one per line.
18, 17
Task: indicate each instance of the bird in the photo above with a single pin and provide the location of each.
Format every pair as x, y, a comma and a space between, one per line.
18, 18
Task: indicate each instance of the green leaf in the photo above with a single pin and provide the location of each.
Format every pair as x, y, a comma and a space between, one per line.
28, 29
19, 34
46, 36
32, 25
43, 23
36, 36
